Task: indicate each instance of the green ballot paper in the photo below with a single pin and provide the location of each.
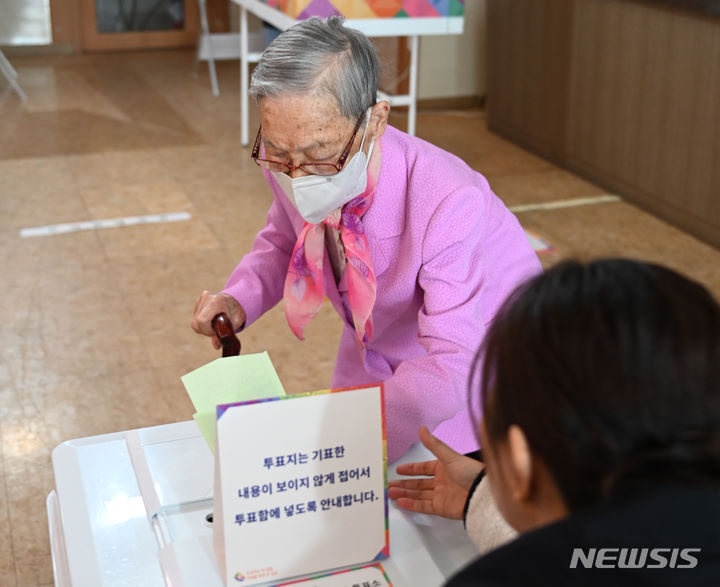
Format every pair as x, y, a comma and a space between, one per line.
229, 380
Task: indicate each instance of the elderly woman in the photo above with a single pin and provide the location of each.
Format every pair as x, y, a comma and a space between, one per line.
408, 243
601, 435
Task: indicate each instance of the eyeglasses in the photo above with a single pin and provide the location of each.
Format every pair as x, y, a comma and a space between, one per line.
311, 167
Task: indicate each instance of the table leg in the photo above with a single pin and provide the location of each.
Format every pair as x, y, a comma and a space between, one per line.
11, 76
412, 108
207, 38
244, 50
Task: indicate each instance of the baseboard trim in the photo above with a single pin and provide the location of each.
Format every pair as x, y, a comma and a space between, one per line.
449, 103
28, 50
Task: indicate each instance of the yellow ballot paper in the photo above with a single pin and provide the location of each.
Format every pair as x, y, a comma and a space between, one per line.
301, 486
228, 380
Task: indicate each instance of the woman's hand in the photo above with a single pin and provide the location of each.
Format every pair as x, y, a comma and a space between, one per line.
210, 305
445, 490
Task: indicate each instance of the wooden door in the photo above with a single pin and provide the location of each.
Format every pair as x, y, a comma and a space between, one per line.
111, 25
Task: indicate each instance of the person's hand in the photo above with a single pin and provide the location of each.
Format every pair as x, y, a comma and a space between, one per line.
210, 305
448, 480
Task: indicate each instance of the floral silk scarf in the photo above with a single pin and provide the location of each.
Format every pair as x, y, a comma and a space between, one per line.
304, 285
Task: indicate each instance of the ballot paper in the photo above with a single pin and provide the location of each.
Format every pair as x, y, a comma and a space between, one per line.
300, 485
367, 576
227, 380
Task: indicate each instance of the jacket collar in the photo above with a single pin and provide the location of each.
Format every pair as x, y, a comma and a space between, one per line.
386, 217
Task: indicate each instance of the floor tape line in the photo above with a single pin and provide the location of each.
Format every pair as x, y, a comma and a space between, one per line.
52, 229
559, 204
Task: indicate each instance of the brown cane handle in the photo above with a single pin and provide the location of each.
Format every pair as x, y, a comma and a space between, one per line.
226, 334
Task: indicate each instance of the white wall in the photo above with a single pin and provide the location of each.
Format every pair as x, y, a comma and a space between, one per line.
25, 22
454, 65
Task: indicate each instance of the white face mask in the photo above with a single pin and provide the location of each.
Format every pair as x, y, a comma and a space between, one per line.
315, 196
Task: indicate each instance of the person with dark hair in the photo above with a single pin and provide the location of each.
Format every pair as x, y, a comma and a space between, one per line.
406, 241
600, 384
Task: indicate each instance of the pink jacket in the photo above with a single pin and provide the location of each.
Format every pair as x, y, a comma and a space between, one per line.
446, 253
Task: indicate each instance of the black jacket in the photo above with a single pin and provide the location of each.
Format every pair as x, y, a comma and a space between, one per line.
671, 533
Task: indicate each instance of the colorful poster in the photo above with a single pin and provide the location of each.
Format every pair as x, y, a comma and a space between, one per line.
300, 9
300, 485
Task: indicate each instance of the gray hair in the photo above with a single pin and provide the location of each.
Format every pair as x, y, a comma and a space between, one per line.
321, 56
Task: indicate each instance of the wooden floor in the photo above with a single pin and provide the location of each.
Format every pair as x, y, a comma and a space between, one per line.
94, 325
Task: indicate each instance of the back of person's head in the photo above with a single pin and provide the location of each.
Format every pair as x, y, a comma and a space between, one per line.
612, 371
321, 56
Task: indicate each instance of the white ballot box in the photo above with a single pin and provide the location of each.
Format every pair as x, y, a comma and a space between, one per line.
132, 509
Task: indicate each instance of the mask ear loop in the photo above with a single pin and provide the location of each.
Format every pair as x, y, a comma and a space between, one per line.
362, 142
367, 124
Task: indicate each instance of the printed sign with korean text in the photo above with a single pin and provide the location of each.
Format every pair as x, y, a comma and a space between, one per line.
300, 485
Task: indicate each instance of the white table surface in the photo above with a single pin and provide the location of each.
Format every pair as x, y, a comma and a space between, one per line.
107, 532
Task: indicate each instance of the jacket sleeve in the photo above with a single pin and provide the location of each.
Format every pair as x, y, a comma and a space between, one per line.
258, 281
474, 255
485, 525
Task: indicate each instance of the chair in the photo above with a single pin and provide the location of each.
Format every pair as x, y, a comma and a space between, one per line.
11, 76
214, 46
